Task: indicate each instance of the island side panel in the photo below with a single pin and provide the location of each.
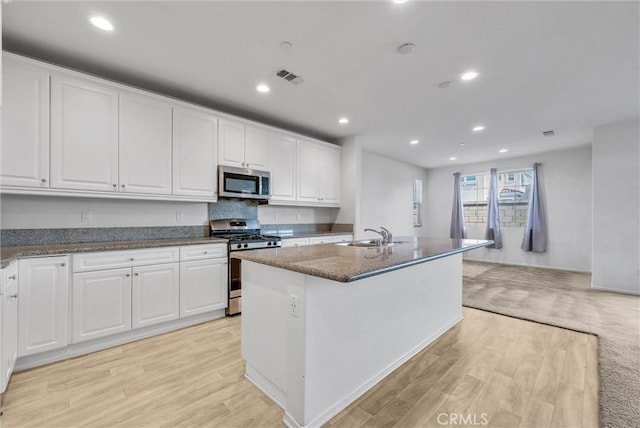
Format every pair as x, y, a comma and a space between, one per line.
357, 333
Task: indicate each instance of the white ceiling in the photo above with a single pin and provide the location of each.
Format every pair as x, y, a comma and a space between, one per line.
568, 66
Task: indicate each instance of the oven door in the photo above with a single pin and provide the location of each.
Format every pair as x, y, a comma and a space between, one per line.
235, 287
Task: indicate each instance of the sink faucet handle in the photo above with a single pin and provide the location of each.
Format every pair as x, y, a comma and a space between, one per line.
389, 236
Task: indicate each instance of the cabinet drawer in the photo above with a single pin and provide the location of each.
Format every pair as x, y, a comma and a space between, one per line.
197, 252
295, 242
128, 258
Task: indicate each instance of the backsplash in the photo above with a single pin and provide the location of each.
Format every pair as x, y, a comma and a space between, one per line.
305, 229
233, 208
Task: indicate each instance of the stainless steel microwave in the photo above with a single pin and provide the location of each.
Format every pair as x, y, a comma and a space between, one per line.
243, 183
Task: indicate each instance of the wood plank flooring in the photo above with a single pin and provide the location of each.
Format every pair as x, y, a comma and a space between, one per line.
489, 370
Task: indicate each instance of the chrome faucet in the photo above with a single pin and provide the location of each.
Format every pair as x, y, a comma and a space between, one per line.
386, 235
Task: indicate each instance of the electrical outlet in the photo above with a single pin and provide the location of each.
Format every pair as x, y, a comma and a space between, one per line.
85, 216
295, 305
179, 216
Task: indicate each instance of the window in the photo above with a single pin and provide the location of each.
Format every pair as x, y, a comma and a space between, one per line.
514, 189
417, 202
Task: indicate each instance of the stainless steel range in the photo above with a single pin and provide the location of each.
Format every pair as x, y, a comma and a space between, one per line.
243, 235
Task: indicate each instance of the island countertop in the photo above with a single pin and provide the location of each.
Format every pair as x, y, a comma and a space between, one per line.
344, 263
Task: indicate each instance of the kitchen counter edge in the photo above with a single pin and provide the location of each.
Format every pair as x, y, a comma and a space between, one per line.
9, 254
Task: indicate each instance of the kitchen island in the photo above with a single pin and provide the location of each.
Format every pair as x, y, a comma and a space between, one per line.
322, 324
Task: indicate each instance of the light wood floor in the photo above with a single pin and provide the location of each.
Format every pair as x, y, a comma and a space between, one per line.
489, 370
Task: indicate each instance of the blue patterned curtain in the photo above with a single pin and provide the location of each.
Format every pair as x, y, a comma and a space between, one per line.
458, 231
535, 232
493, 213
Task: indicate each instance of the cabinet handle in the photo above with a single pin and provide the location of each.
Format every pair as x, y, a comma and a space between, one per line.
44, 180
128, 275
136, 274
63, 264
14, 296
12, 277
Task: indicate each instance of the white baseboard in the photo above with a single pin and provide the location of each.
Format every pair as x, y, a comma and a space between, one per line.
274, 393
494, 262
616, 290
83, 348
342, 404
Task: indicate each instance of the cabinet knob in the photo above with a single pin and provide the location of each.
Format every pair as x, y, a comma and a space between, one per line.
12, 277
128, 275
206, 252
131, 259
44, 180
115, 185
14, 296
122, 185
136, 274
63, 264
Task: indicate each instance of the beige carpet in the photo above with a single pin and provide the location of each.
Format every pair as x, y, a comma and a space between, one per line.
562, 298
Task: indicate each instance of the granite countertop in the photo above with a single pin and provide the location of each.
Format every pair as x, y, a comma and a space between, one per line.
311, 234
9, 254
347, 263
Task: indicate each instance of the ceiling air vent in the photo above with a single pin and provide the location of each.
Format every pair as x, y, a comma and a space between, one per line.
550, 133
289, 76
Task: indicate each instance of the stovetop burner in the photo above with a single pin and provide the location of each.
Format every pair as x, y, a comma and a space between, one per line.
243, 234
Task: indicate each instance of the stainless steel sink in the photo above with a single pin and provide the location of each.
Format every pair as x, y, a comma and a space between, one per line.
370, 243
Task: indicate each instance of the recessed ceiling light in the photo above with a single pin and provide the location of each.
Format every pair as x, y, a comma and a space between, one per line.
478, 128
406, 48
453, 158
262, 88
286, 45
399, 1
503, 150
461, 144
414, 142
343, 121
101, 23
469, 75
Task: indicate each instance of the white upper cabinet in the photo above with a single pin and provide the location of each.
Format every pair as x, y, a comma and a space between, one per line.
256, 148
24, 153
144, 145
319, 173
243, 146
231, 143
282, 155
84, 135
194, 153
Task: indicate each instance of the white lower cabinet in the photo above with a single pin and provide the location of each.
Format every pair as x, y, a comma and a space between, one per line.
43, 304
203, 286
9, 322
155, 294
101, 303
295, 242
329, 239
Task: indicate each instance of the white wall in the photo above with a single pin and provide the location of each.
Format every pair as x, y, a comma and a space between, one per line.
387, 196
566, 177
616, 207
351, 182
274, 214
42, 212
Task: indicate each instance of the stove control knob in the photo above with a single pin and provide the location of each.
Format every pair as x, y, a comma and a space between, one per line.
246, 245
239, 245
269, 243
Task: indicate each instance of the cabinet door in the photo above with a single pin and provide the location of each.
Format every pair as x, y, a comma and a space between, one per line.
155, 294
194, 153
145, 145
307, 171
84, 135
203, 286
329, 164
282, 155
256, 148
231, 143
101, 303
9, 322
43, 304
24, 153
